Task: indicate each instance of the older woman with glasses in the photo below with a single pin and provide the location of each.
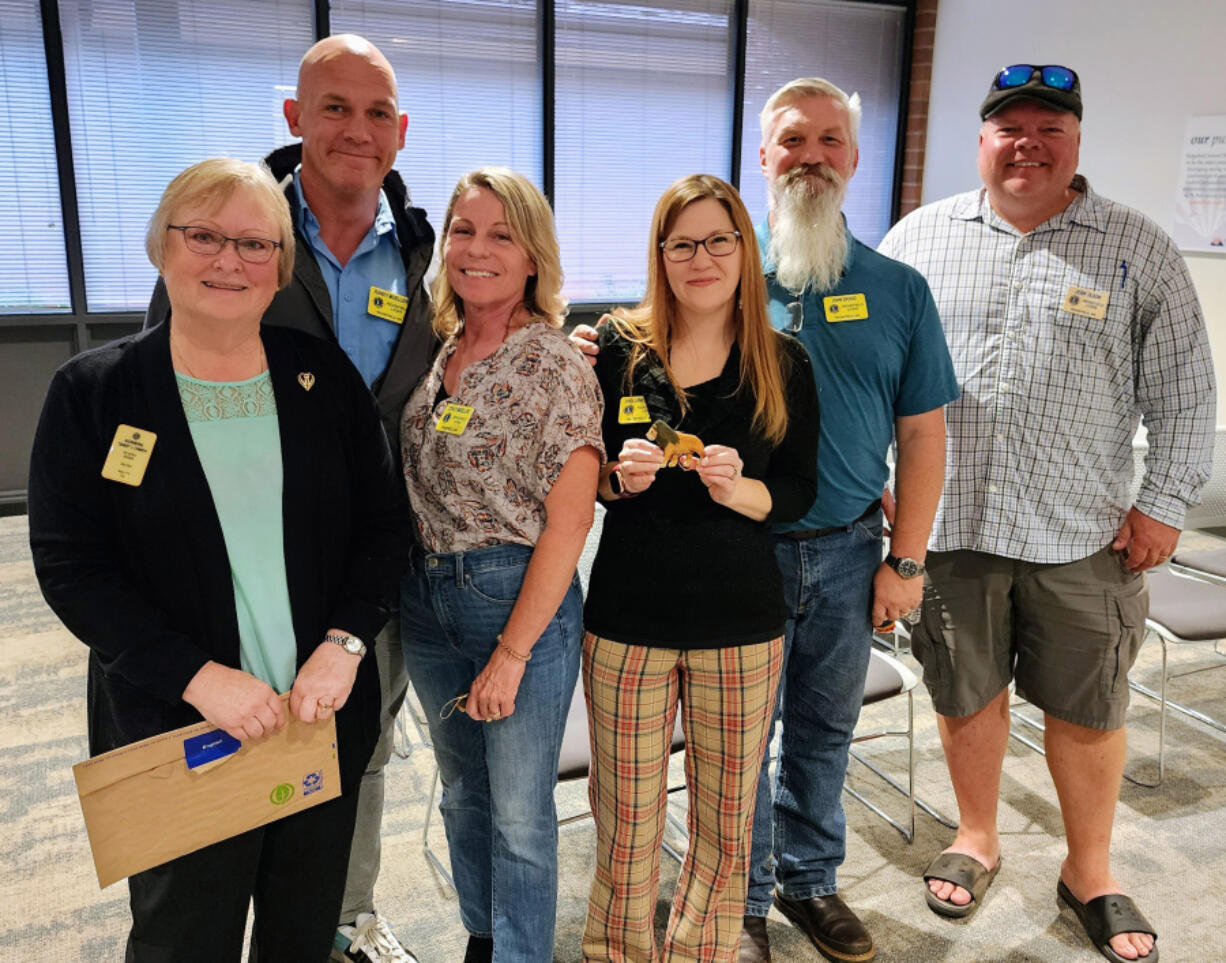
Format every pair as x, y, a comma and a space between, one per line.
502, 447
685, 603
248, 547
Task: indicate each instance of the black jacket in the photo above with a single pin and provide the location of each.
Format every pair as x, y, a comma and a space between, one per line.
305, 304
141, 574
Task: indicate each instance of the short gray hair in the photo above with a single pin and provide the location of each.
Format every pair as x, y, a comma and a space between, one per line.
803, 87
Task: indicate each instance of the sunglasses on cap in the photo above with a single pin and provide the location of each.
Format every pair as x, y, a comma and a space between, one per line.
1052, 75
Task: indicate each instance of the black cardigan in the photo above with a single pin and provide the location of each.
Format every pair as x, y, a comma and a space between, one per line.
673, 568
141, 574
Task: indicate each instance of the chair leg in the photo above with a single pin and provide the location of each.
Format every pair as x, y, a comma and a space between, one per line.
425, 834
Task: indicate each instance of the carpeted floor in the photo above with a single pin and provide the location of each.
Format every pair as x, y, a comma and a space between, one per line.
1170, 843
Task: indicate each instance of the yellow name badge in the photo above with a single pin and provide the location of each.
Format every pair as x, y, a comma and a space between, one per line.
632, 410
454, 419
1086, 303
387, 305
846, 307
129, 455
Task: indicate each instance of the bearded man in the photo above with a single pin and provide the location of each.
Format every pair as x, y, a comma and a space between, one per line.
884, 375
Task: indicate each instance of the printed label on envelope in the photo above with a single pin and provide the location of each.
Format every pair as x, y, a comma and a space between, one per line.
846, 307
129, 455
387, 305
209, 747
632, 410
454, 419
1086, 303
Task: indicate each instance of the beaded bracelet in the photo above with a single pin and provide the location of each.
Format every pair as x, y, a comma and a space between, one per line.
511, 652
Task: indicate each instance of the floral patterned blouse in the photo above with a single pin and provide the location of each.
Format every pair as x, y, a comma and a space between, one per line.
534, 401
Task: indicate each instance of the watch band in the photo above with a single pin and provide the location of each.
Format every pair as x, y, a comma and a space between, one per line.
905, 567
350, 643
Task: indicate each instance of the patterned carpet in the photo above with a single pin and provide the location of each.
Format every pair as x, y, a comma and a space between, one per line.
1170, 843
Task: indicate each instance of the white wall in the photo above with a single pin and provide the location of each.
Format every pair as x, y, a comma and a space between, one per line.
1145, 66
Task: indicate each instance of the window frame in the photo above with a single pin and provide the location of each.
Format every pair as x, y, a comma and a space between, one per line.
88, 328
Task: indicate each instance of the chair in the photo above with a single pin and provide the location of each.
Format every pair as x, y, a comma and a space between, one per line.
1182, 610
887, 678
574, 762
1208, 565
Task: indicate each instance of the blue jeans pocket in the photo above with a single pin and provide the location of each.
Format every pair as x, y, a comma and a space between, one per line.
498, 586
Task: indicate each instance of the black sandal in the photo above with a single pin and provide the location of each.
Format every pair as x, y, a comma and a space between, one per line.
1106, 916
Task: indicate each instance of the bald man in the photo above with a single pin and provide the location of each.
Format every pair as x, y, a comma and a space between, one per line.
362, 251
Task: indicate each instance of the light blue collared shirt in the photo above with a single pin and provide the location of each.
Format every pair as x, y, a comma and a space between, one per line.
368, 340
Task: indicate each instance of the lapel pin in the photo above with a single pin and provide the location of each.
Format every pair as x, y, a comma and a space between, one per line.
306, 379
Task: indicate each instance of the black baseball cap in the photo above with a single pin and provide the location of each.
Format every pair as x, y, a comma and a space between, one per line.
1051, 85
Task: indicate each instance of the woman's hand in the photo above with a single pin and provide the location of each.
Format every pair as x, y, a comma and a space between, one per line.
638, 462
236, 701
492, 694
720, 470
324, 681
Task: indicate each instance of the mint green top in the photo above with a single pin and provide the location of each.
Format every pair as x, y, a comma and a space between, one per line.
234, 428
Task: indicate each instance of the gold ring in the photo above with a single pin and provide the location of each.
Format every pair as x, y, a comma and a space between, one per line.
326, 705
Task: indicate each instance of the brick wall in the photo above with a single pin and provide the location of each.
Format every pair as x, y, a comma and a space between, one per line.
917, 106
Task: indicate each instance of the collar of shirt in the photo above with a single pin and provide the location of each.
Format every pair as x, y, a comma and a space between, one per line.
763, 233
309, 227
1086, 210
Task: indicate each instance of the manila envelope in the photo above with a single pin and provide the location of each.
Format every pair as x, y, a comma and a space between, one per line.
144, 805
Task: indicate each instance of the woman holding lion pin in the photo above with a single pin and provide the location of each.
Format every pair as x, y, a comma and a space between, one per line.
685, 602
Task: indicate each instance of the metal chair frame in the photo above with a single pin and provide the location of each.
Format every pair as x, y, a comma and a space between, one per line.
1166, 636
907, 831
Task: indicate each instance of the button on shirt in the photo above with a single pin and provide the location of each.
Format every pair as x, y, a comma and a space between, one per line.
1040, 459
367, 340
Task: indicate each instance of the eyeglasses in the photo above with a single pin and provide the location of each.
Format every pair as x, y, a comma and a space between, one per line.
202, 240
718, 245
1053, 76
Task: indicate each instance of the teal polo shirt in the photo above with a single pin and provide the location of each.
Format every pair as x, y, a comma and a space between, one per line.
892, 363
367, 339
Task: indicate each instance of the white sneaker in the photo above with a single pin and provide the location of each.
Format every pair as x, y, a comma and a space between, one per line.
370, 940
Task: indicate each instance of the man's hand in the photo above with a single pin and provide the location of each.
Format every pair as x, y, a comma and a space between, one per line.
583, 338
236, 701
1145, 541
324, 682
893, 595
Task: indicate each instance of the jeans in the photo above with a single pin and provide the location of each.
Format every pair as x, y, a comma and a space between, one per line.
498, 777
828, 588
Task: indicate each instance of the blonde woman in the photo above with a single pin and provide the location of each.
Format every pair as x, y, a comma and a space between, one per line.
685, 602
502, 448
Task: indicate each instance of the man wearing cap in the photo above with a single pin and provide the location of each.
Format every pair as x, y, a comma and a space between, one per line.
1067, 316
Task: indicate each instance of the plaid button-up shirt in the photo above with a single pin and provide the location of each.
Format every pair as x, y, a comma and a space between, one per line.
1062, 339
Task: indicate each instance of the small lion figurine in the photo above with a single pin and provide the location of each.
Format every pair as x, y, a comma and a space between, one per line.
679, 448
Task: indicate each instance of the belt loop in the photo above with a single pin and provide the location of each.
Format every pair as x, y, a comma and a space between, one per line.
459, 570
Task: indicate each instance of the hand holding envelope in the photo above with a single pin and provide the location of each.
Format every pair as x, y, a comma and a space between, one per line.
175, 793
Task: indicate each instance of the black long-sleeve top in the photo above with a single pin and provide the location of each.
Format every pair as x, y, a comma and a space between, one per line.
141, 574
675, 569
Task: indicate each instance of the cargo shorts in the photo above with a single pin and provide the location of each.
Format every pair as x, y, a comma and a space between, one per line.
1066, 633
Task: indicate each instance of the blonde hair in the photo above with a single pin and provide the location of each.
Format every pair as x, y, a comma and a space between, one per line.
531, 223
649, 326
210, 184
803, 87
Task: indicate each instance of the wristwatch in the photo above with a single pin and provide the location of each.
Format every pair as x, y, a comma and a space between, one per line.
350, 643
905, 567
617, 484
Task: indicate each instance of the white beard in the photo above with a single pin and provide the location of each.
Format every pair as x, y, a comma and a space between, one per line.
808, 242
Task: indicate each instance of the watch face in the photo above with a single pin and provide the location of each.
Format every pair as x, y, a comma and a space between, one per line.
907, 567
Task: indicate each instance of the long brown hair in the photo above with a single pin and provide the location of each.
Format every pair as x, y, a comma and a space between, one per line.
649, 326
